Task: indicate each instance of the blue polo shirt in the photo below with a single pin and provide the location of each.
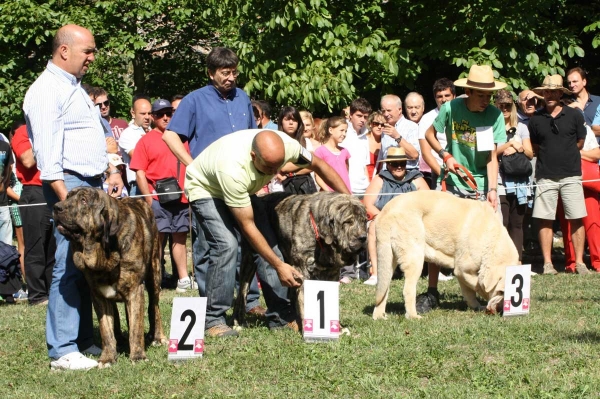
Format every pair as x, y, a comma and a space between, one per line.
204, 116
589, 111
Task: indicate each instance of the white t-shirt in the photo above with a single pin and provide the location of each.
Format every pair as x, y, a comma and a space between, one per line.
357, 145
424, 124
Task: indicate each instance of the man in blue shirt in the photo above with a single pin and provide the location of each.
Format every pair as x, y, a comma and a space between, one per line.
204, 116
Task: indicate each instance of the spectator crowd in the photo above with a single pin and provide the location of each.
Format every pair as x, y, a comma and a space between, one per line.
532, 157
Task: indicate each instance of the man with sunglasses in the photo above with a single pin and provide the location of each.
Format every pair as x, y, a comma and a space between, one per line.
103, 103
557, 135
152, 161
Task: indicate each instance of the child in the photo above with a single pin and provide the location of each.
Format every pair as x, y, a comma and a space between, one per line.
331, 133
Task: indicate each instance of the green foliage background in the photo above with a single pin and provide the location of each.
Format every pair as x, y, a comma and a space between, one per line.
316, 54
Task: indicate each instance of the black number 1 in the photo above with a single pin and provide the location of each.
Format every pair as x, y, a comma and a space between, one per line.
519, 291
321, 300
182, 346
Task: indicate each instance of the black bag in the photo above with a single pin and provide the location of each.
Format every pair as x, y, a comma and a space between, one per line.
516, 164
302, 184
168, 189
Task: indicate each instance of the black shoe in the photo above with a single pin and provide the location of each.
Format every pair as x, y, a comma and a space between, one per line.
427, 301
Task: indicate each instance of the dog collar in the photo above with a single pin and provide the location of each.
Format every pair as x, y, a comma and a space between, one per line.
315, 229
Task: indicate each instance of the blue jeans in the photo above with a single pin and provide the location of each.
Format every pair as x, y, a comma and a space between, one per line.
69, 323
221, 234
200, 260
6, 229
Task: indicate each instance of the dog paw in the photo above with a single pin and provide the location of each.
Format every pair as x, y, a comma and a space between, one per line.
345, 331
102, 365
413, 317
138, 357
160, 341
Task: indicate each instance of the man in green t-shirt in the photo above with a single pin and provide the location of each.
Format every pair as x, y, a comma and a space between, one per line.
473, 128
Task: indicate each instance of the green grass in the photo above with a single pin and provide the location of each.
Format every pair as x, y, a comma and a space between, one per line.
451, 353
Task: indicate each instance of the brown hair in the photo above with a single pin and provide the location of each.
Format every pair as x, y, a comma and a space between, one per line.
329, 123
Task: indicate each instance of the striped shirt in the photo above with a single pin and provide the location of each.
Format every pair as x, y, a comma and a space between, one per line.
64, 126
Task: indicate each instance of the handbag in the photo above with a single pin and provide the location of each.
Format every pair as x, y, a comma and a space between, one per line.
302, 184
516, 164
168, 189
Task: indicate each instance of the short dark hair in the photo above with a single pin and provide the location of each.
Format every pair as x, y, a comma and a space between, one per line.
579, 70
265, 108
99, 91
221, 57
177, 97
362, 105
292, 112
140, 97
443, 84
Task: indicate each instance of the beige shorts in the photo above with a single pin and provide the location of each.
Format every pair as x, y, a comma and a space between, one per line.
546, 198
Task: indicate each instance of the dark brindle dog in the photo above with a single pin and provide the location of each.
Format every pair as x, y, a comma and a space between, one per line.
318, 235
115, 244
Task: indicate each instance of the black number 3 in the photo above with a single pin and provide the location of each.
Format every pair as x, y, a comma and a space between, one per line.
182, 346
519, 290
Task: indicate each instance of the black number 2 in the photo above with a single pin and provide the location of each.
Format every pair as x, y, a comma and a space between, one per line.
321, 300
182, 346
519, 290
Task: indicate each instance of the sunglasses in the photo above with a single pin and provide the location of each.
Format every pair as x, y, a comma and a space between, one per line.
105, 103
554, 127
505, 105
161, 114
397, 164
380, 124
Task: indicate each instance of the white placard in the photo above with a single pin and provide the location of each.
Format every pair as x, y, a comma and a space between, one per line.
485, 138
186, 340
516, 290
321, 310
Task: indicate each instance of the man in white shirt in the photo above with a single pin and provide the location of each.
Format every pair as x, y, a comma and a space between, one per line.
399, 131
141, 112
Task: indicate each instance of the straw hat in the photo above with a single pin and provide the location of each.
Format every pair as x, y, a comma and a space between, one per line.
552, 82
394, 154
481, 77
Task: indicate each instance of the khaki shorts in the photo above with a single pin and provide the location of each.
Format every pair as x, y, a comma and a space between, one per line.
546, 198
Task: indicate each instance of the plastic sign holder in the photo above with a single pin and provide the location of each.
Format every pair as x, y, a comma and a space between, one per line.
186, 340
321, 311
517, 287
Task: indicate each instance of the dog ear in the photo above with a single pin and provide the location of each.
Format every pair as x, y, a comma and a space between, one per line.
110, 222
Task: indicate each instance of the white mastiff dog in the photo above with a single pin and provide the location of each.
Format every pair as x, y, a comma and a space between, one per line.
460, 234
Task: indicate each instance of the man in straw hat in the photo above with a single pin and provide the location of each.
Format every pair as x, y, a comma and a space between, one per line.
557, 135
473, 127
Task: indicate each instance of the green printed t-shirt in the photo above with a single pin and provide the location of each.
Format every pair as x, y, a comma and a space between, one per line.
460, 126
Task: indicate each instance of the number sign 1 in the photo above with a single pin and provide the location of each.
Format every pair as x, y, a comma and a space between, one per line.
186, 340
321, 310
517, 286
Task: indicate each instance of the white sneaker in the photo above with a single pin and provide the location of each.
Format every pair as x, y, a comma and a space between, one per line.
92, 350
371, 281
443, 277
186, 284
73, 361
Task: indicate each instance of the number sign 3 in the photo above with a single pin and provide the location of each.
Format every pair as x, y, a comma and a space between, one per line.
516, 290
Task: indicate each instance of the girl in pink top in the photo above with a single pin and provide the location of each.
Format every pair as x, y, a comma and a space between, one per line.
331, 133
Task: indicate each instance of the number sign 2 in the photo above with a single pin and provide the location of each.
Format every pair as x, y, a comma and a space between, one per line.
321, 310
186, 340
516, 290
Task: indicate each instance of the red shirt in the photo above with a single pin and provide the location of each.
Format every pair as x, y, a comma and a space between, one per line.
153, 156
20, 143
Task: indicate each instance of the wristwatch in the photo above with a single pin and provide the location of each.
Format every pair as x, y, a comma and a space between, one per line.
441, 153
398, 140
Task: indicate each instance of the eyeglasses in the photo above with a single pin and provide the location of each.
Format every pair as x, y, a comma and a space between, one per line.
161, 114
227, 74
554, 127
379, 124
397, 164
505, 105
105, 103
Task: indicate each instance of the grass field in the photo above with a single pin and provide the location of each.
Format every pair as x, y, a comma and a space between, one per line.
451, 353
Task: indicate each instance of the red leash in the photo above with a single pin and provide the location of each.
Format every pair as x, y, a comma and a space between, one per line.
464, 174
315, 229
